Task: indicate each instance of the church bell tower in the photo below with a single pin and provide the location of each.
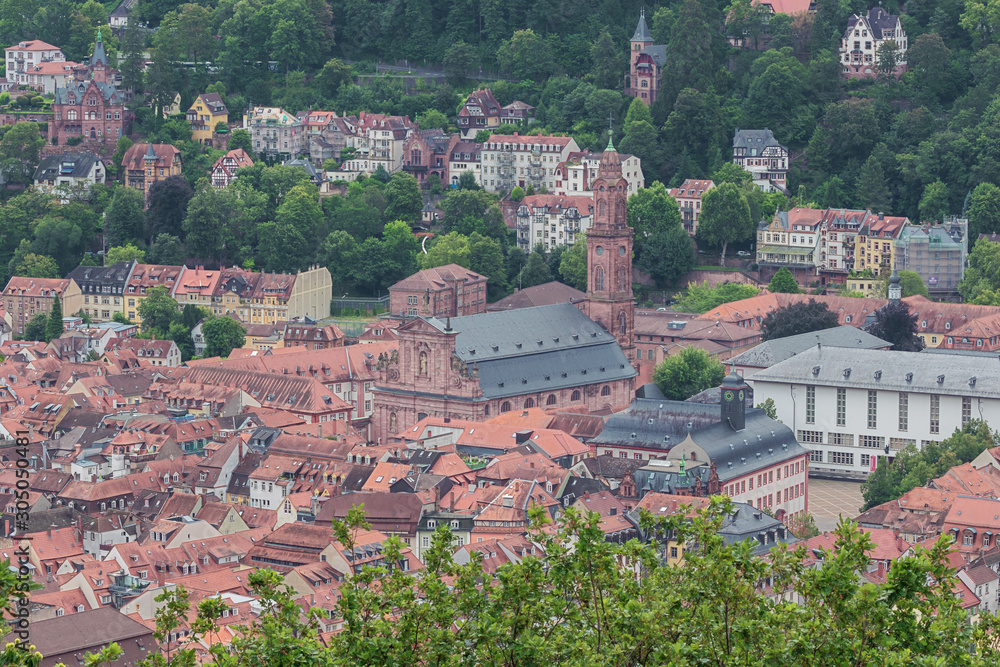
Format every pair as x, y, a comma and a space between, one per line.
609, 253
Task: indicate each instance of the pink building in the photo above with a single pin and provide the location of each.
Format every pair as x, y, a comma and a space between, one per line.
444, 291
688, 198
646, 62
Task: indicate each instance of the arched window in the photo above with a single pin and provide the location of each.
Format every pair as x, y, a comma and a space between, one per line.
605, 390
575, 396
620, 215
622, 323
486, 410
392, 422
602, 206
599, 279
529, 403
505, 406
622, 280
423, 363
551, 400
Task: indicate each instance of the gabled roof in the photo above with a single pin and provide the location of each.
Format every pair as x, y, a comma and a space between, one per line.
438, 278
69, 165
755, 139
771, 352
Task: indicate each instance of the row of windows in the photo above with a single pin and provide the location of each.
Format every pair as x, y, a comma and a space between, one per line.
872, 416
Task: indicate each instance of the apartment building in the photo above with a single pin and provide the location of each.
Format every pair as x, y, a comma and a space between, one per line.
552, 220
512, 160
275, 132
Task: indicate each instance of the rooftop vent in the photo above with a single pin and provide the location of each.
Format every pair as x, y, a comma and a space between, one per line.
847, 372
940, 379
878, 375
815, 370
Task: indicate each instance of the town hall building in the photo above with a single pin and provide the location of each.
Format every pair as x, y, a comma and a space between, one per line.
477, 366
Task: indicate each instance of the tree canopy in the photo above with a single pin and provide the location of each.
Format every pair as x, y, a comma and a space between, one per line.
797, 318
688, 372
895, 324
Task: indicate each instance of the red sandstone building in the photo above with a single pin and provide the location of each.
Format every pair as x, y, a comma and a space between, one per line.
646, 61
444, 291
90, 107
476, 366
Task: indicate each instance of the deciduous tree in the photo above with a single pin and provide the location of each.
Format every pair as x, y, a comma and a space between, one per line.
688, 372
797, 318
897, 325
725, 218
222, 334
783, 281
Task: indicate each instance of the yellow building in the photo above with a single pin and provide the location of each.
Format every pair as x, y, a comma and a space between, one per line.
144, 278
875, 244
267, 298
207, 111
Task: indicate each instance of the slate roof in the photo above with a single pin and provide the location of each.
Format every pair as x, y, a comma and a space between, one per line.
536, 349
642, 30
73, 165
545, 294
648, 422
747, 523
771, 352
107, 91
92, 279
888, 370
755, 139
658, 52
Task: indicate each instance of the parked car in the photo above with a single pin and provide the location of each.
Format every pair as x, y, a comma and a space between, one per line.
743, 253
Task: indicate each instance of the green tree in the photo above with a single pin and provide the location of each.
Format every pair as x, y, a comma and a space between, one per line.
609, 61
573, 264
125, 253
486, 258
181, 335
402, 198
432, 119
241, 139
667, 255
702, 297
158, 311
688, 372
725, 218
652, 211
783, 281
459, 60
222, 334
54, 327
333, 75
730, 172
984, 210
451, 248
895, 324
934, 202
517, 194
910, 283
166, 206
535, 272
797, 318
124, 221
467, 181
872, 189
36, 266
36, 327
526, 55
166, 249
19, 150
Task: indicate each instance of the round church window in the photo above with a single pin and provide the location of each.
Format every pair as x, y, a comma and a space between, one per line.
621, 250
600, 250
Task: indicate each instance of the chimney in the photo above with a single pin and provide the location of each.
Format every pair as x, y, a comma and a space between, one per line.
48, 531
437, 498
508, 500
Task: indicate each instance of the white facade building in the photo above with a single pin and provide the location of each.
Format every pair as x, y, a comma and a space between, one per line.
512, 160
378, 140
275, 132
25, 56
552, 220
577, 174
758, 152
850, 406
866, 34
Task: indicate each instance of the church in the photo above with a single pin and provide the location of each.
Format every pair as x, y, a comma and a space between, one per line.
477, 366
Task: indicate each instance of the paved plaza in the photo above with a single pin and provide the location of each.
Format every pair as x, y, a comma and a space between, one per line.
828, 499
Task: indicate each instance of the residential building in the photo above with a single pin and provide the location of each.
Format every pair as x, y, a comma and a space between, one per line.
646, 63
481, 111
378, 141
155, 352
327, 134
205, 113
791, 240
552, 220
426, 152
23, 298
545, 294
866, 36
69, 174
459, 525
25, 56
937, 253
45, 77
275, 132
839, 229
196, 286
874, 402
578, 172
103, 288
265, 298
118, 19
688, 197
758, 152
312, 336
875, 243
224, 169
464, 156
144, 278
89, 106
512, 160
444, 291
173, 106
145, 164
516, 113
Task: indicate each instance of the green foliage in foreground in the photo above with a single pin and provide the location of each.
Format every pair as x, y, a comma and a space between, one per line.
591, 602
703, 297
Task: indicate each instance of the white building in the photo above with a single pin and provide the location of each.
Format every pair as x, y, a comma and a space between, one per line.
512, 160
378, 140
850, 406
552, 220
465, 156
577, 173
25, 56
70, 174
271, 481
275, 132
865, 35
758, 152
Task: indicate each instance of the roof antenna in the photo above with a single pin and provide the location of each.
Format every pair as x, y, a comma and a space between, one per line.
447, 323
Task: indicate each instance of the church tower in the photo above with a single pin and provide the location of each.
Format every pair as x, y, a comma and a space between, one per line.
609, 254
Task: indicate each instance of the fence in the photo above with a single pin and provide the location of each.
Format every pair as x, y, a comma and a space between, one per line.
347, 306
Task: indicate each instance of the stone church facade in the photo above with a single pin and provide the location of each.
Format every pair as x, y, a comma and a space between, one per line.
478, 366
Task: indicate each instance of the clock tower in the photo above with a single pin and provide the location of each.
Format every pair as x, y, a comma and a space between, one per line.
609, 254
733, 401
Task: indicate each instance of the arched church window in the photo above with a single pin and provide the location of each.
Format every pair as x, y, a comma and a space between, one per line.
622, 324
605, 390
622, 278
599, 279
505, 406
551, 400
529, 403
